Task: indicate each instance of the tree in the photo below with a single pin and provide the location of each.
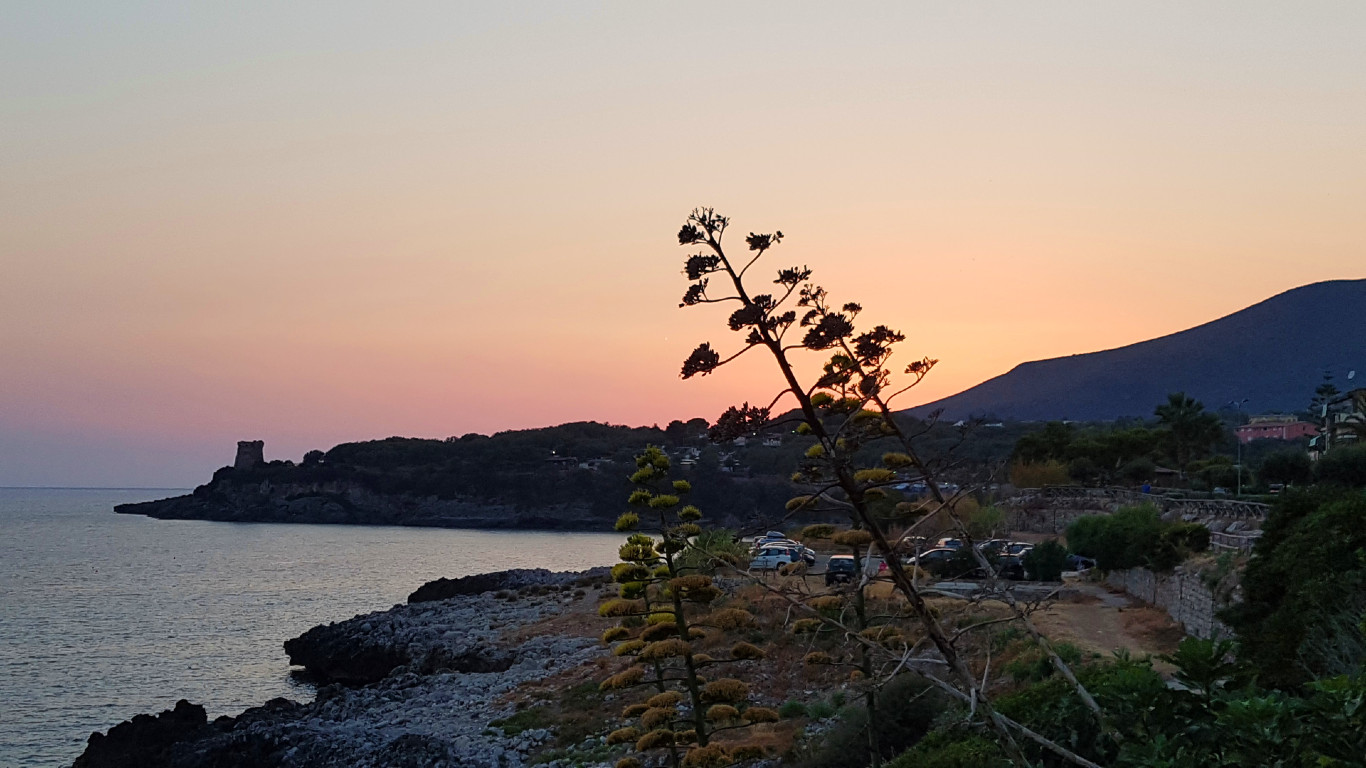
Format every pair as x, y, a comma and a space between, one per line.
1288, 467
1304, 590
1325, 394
847, 410
665, 607
1343, 466
1190, 429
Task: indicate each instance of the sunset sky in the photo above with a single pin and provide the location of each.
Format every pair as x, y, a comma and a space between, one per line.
316, 222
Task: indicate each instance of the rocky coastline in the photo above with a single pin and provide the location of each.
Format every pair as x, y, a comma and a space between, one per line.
346, 503
416, 686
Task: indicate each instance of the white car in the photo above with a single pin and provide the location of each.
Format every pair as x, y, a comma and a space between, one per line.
772, 558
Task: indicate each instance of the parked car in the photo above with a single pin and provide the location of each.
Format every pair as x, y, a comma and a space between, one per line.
949, 542
993, 546
840, 569
1018, 548
768, 542
874, 566
804, 553
945, 562
1079, 563
772, 558
1010, 567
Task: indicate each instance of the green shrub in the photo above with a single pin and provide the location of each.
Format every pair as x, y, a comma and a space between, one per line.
1135, 537
1121, 540
791, 709
951, 749
905, 713
1304, 589
1343, 466
819, 710
1288, 467
1047, 561
1038, 474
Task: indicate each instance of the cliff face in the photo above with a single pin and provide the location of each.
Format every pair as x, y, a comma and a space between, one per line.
347, 502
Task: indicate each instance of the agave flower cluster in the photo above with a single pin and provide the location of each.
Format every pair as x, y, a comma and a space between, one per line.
668, 612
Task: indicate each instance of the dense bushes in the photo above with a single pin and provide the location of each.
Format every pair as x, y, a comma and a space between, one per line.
1304, 590
1135, 537
1343, 466
952, 749
905, 712
1217, 720
1288, 468
1024, 474
1047, 561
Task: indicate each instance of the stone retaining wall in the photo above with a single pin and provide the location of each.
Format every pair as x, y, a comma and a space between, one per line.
1182, 594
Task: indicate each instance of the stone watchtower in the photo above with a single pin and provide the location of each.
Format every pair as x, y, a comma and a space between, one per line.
249, 454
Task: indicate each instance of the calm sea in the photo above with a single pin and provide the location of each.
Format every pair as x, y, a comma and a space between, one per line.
105, 616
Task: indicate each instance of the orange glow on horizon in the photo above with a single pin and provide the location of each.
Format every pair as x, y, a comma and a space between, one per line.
254, 223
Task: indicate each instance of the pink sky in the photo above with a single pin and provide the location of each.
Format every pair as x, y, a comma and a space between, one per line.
335, 223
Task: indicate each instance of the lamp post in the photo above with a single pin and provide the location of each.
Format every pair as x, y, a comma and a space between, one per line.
1237, 406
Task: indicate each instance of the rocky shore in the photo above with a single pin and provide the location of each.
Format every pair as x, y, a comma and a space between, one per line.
416, 686
349, 503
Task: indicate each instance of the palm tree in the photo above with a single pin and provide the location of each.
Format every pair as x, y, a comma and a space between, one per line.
1190, 429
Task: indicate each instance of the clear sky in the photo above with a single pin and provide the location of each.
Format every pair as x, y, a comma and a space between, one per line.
316, 222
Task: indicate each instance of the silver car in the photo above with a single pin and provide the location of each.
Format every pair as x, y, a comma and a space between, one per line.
772, 558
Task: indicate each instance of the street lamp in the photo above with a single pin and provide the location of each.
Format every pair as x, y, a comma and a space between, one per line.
1237, 406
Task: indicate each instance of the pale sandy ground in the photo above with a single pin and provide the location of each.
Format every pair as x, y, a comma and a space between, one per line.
1099, 620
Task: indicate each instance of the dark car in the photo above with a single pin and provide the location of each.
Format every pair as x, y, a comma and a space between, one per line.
841, 568
1010, 567
944, 562
1079, 563
993, 546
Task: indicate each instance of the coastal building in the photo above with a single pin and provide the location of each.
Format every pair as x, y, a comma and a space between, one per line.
1347, 425
1275, 427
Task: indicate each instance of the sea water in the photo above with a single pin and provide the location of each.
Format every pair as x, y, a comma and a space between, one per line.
104, 616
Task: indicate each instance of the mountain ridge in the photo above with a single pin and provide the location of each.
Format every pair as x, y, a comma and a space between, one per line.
1273, 353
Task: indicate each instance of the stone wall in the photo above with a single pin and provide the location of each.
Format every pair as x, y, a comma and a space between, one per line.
1181, 593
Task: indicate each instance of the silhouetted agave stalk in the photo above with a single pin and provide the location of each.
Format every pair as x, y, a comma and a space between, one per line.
846, 408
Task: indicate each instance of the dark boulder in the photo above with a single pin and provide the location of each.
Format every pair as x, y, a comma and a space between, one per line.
146, 741
341, 653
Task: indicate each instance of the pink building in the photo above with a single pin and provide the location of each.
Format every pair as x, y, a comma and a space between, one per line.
1275, 427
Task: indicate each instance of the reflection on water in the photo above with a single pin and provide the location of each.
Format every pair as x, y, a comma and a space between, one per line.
104, 616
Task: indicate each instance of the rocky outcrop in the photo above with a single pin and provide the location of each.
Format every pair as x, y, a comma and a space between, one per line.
146, 741
350, 503
457, 665
517, 578
430, 636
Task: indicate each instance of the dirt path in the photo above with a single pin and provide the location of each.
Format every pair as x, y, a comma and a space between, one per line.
1098, 620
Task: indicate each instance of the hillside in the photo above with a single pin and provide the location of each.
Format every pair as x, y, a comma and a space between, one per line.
515, 479
1273, 353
